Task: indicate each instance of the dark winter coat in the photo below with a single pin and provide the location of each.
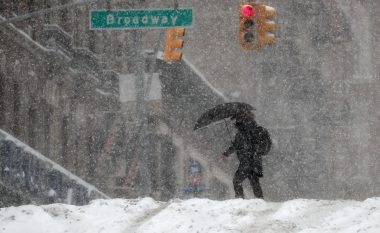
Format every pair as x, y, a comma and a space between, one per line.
250, 144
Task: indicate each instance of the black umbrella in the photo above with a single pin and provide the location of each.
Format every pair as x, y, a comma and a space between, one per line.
221, 112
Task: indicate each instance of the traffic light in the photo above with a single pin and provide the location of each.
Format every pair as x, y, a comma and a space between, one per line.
247, 27
173, 44
256, 25
265, 25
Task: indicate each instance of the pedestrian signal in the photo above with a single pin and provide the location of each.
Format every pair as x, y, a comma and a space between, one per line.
173, 44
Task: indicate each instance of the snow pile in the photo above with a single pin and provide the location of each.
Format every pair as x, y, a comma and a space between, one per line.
196, 215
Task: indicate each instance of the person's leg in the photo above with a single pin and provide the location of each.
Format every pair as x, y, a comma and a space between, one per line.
255, 183
240, 176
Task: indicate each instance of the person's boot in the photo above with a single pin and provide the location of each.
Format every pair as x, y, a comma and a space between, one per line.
255, 183
239, 193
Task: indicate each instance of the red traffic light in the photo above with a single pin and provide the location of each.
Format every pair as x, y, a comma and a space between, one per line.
247, 10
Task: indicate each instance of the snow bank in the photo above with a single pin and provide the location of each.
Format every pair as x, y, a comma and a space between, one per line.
196, 215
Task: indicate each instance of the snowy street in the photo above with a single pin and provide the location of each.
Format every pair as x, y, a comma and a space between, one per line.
196, 215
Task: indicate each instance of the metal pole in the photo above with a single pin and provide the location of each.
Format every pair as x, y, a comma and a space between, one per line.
142, 90
156, 47
139, 65
228, 130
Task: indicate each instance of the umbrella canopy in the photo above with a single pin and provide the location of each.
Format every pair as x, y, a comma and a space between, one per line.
221, 112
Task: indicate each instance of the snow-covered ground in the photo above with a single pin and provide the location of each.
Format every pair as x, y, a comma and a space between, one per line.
196, 215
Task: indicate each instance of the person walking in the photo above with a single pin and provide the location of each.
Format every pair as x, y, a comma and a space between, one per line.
251, 143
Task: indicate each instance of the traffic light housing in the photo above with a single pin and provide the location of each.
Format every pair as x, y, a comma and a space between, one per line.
265, 25
247, 26
173, 44
256, 25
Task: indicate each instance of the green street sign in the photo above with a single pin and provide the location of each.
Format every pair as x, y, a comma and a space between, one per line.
134, 19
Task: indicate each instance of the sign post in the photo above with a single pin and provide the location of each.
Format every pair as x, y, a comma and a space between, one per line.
140, 19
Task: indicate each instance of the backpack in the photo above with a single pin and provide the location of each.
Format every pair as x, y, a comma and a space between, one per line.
266, 143
258, 139
262, 142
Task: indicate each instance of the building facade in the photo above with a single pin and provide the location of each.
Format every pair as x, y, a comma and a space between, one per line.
60, 96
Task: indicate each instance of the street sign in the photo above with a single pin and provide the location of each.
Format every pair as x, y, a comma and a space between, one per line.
135, 19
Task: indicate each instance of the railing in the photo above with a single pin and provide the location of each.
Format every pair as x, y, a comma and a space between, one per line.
36, 178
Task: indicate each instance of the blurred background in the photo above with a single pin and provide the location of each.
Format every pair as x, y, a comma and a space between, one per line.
72, 95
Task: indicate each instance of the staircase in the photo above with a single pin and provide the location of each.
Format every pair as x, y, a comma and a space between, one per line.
32, 177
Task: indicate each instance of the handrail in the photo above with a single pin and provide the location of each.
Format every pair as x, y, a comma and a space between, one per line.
30, 174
